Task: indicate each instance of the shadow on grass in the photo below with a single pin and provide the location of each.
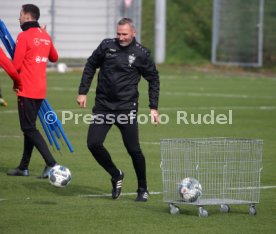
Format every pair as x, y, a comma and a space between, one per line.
71, 190
4, 170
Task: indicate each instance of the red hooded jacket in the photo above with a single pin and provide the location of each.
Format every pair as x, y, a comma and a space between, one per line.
34, 48
7, 65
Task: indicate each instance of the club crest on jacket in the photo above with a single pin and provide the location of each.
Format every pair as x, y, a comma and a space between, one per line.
131, 59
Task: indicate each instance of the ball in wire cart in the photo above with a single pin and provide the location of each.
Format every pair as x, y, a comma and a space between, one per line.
216, 171
190, 189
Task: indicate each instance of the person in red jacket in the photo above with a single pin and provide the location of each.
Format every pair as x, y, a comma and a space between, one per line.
34, 47
7, 65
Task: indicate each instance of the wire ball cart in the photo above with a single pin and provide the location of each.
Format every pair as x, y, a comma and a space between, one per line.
228, 172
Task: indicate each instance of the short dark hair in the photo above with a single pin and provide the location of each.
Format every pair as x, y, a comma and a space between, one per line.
32, 9
128, 21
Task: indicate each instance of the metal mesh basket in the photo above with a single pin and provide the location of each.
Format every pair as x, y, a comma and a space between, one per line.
227, 169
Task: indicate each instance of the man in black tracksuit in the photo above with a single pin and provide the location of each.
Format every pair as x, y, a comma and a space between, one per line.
122, 61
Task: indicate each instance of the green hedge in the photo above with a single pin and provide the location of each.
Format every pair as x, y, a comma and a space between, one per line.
189, 30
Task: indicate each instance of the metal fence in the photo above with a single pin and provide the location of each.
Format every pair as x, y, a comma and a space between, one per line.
238, 32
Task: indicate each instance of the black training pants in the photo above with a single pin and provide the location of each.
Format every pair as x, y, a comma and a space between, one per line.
28, 110
97, 132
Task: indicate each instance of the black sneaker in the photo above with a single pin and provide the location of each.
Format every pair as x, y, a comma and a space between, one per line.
117, 185
45, 172
142, 195
18, 172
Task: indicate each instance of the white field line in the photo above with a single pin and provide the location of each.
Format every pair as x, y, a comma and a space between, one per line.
58, 89
217, 108
189, 94
109, 194
132, 194
10, 136
150, 142
267, 187
62, 89
141, 142
12, 111
155, 193
247, 188
163, 109
168, 93
221, 95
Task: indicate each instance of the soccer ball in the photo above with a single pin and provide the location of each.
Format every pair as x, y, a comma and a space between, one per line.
59, 176
62, 68
190, 189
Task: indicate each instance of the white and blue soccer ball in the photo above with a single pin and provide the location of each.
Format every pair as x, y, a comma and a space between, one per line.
60, 176
190, 189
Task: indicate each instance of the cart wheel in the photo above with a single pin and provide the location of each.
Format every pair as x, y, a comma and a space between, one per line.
174, 209
224, 208
202, 212
252, 209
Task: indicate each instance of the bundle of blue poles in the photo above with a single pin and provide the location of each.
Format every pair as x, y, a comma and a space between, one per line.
47, 116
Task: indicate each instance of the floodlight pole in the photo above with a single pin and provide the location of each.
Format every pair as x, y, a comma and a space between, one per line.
52, 12
260, 28
160, 31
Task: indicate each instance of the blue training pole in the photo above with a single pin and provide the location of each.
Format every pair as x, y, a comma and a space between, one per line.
48, 128
7, 38
40, 116
59, 125
48, 117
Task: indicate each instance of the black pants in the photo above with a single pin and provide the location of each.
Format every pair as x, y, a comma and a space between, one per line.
28, 109
97, 132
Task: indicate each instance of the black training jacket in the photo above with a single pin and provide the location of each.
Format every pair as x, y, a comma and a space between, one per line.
120, 71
